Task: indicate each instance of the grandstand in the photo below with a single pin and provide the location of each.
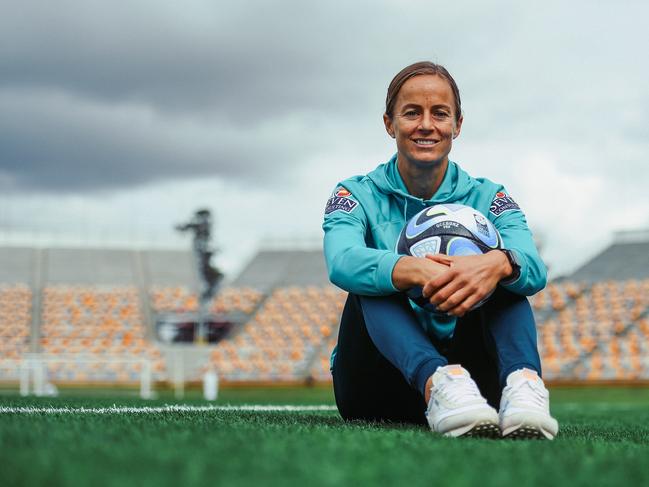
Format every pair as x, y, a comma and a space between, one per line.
85, 312
89, 315
97, 309
594, 324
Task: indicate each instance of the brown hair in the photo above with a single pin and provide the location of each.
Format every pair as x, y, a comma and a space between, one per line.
417, 69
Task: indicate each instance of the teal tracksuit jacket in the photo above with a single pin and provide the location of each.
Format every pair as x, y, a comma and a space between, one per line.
365, 214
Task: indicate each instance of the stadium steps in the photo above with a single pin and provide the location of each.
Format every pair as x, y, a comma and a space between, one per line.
240, 319
37, 284
192, 360
323, 347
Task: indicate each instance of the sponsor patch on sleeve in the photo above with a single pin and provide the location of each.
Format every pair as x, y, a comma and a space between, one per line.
340, 200
501, 203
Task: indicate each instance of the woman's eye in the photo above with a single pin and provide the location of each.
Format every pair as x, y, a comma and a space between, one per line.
410, 114
441, 114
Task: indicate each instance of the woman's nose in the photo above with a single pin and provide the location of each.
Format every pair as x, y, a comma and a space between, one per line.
426, 122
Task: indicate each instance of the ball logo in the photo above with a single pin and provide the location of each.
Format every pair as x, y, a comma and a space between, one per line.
481, 224
447, 224
342, 192
426, 246
413, 228
434, 213
500, 194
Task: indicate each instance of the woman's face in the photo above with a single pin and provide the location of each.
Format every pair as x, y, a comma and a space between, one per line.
423, 121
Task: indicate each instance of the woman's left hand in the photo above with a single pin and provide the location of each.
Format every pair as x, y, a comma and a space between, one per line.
468, 280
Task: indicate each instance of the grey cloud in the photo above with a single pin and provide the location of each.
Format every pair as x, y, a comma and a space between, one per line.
50, 142
273, 56
278, 57
97, 96
104, 95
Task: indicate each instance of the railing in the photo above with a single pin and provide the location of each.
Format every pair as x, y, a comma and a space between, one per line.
33, 370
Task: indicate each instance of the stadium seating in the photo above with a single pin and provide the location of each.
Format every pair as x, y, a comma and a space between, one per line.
587, 331
320, 370
290, 331
599, 333
99, 331
590, 328
229, 300
15, 322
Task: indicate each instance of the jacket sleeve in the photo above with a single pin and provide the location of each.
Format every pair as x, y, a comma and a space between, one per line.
517, 237
352, 265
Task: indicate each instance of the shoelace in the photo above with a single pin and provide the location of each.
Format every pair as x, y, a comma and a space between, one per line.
460, 387
528, 393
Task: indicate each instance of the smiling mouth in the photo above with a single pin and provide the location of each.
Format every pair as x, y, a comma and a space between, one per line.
428, 142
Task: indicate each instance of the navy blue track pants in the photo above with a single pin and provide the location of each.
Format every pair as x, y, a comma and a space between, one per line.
384, 358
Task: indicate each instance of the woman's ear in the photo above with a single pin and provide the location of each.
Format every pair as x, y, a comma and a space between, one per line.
389, 128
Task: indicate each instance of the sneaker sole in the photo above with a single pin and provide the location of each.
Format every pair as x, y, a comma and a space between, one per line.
479, 429
527, 432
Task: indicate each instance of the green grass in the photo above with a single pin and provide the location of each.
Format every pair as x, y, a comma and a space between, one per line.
604, 440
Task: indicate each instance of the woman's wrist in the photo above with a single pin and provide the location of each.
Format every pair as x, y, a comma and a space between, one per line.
410, 272
403, 273
503, 268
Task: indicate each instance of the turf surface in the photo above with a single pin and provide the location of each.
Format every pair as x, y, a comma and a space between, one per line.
604, 440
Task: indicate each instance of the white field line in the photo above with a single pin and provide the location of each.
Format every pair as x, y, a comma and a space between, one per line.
162, 409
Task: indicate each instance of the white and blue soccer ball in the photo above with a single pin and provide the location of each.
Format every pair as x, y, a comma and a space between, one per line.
449, 229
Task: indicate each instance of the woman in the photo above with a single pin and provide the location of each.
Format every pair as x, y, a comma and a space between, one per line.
395, 361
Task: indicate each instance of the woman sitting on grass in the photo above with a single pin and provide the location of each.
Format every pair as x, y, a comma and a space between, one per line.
395, 361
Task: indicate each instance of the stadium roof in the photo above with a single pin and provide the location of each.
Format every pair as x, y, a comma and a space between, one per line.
626, 258
271, 268
268, 269
95, 266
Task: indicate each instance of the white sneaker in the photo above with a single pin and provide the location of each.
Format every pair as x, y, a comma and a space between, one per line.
525, 407
456, 407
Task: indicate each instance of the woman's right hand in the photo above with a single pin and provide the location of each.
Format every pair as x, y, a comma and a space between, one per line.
410, 272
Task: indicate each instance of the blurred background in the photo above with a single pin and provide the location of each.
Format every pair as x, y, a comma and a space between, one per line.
119, 121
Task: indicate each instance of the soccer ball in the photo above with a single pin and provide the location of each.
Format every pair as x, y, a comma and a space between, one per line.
449, 229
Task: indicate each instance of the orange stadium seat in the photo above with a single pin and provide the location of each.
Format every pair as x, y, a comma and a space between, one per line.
96, 323
288, 331
600, 334
15, 323
586, 330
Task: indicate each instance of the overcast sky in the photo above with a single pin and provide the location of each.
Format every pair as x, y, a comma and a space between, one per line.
119, 119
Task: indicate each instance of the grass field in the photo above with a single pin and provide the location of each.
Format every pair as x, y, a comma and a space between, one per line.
604, 440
